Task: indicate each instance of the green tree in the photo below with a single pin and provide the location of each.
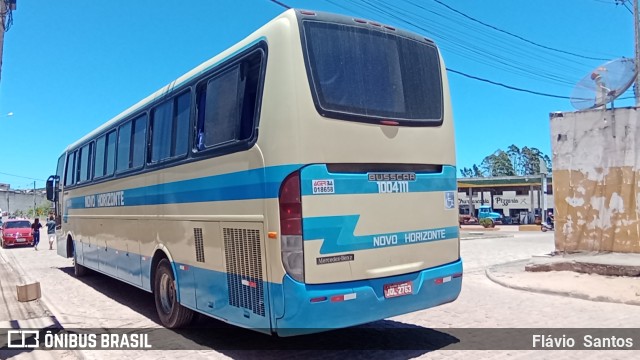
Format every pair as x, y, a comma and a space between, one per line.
531, 158
516, 158
474, 171
513, 162
41, 211
466, 172
498, 164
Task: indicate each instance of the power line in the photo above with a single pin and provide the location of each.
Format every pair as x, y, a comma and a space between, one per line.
23, 177
281, 4
512, 34
473, 77
506, 86
499, 59
471, 49
467, 49
624, 3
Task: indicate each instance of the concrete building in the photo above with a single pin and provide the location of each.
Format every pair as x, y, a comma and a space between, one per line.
12, 201
518, 198
596, 173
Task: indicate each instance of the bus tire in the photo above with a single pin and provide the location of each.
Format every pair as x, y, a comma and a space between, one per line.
78, 270
172, 314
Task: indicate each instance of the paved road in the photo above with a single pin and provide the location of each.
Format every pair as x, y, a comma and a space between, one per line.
98, 301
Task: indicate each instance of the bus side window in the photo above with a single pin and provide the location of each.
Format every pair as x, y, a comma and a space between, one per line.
69, 178
226, 104
218, 114
201, 99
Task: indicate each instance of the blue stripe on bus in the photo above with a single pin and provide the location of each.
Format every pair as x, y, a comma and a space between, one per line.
337, 234
261, 183
208, 291
358, 183
199, 289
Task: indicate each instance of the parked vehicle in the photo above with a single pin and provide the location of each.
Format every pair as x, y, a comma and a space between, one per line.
549, 224
465, 217
16, 232
547, 227
486, 212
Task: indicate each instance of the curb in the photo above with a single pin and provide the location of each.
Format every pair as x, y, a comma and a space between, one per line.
486, 236
489, 273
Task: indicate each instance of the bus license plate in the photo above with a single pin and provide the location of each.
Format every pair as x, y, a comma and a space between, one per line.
398, 289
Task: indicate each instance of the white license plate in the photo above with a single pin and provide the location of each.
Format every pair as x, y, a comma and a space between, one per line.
398, 289
21, 240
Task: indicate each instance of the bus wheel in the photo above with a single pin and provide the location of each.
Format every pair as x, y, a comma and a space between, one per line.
78, 270
171, 313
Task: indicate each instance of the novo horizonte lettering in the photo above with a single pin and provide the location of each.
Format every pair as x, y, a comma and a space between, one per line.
109, 199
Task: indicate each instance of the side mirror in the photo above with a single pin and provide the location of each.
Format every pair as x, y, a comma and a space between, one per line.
52, 194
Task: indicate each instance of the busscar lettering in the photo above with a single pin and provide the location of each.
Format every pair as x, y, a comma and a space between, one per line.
391, 176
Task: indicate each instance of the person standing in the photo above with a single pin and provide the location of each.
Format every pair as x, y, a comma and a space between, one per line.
51, 231
35, 230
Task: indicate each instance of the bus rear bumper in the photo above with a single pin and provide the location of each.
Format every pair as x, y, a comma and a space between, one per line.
315, 308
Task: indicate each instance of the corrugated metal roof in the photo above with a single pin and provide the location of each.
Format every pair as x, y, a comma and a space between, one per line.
501, 181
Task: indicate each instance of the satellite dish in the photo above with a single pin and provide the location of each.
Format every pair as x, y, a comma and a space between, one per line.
604, 84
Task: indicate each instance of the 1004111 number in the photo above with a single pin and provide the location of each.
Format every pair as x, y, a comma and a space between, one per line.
393, 186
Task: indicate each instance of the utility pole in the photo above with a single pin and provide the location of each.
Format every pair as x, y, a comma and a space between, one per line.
3, 14
637, 47
543, 189
34, 199
6, 7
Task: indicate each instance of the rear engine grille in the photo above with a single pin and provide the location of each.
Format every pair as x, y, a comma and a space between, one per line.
244, 269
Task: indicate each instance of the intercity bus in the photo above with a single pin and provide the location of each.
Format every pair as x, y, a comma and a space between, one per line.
302, 180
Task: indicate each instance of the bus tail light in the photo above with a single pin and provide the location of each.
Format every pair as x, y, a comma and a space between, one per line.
291, 249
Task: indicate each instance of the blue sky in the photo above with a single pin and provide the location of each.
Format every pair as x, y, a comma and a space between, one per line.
70, 66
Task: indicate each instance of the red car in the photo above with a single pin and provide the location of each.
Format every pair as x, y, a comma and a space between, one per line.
16, 232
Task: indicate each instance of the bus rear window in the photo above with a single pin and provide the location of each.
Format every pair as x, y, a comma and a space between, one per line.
363, 74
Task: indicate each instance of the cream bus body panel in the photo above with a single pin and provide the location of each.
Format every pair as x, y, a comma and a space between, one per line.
140, 229
290, 121
375, 218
